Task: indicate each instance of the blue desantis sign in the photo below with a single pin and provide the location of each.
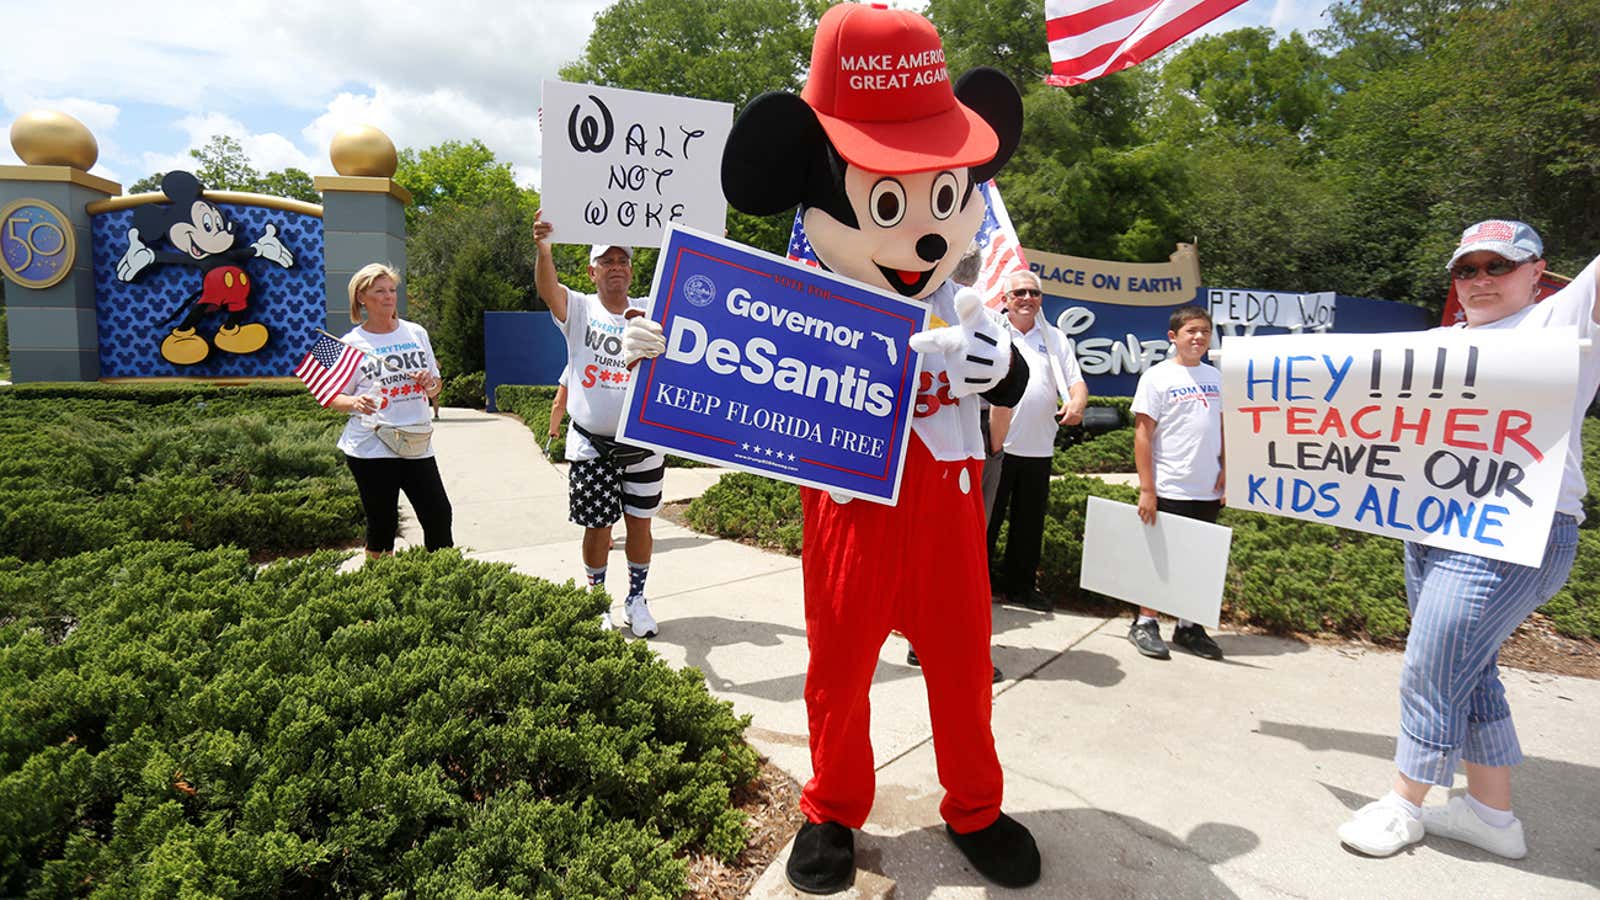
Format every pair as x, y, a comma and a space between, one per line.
776, 368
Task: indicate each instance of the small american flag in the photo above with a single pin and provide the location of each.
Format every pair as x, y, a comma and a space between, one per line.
1002, 251
1091, 38
328, 367
996, 238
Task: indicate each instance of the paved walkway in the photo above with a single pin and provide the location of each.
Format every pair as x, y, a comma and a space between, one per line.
1139, 778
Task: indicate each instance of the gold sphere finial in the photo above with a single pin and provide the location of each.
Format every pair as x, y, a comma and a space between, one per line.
363, 150
47, 137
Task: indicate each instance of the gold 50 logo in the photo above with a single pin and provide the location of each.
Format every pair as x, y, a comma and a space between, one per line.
37, 246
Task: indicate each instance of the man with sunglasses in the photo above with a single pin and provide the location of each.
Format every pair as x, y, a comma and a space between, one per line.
1029, 434
1463, 606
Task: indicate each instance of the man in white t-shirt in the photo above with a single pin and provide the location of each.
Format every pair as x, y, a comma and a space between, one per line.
1177, 447
1029, 433
604, 482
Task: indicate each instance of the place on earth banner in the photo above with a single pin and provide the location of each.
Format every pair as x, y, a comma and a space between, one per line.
776, 368
1450, 438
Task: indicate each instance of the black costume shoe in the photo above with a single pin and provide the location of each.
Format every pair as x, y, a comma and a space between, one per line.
1194, 639
823, 860
1004, 852
1032, 599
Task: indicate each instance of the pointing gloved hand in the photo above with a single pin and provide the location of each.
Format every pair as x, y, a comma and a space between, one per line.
977, 350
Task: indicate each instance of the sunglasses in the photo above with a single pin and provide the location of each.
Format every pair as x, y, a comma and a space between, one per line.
1027, 292
1494, 268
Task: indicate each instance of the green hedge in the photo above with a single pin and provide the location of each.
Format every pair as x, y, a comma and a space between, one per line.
463, 390
750, 508
1283, 574
179, 722
1109, 452
90, 466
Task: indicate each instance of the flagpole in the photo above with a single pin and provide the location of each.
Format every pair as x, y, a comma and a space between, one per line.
388, 365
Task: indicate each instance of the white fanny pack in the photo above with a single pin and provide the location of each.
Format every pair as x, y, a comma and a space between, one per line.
409, 441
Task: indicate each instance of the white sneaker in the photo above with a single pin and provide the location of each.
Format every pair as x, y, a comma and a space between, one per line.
636, 614
605, 621
1381, 829
1457, 821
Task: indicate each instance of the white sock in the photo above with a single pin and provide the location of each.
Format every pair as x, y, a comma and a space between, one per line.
1184, 623
1400, 802
1495, 818
1144, 619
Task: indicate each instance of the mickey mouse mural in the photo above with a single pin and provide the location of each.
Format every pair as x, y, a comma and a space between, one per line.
883, 157
201, 236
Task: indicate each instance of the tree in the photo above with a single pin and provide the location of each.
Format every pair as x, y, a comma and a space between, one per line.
1006, 34
457, 172
729, 50
1246, 88
463, 259
223, 166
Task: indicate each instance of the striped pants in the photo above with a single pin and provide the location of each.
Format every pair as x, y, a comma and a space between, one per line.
1463, 607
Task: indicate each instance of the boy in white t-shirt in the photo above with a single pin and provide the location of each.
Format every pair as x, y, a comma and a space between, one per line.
1177, 446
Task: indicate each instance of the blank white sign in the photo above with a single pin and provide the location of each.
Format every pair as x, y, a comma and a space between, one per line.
1177, 565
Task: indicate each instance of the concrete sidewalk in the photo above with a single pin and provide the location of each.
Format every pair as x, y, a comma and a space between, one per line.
1139, 778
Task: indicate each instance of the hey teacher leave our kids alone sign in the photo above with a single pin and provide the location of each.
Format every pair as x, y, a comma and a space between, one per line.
1451, 438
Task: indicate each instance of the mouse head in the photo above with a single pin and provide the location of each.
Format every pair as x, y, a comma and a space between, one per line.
879, 150
190, 223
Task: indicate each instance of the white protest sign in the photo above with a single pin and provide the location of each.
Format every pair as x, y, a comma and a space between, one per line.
1177, 565
1284, 310
619, 165
1451, 438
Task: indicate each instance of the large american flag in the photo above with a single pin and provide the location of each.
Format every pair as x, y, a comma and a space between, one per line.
1090, 38
996, 238
328, 367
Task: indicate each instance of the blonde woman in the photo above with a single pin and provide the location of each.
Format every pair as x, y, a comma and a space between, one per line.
388, 439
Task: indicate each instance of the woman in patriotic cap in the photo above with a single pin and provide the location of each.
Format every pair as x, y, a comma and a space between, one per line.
1463, 606
883, 156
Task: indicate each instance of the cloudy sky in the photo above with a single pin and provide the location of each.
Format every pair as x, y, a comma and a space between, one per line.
284, 76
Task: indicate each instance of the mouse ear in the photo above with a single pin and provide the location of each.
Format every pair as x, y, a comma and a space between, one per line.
771, 154
990, 94
181, 187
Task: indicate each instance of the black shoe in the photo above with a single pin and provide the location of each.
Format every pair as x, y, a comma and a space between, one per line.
997, 676
1194, 639
823, 860
1032, 599
1004, 852
1147, 638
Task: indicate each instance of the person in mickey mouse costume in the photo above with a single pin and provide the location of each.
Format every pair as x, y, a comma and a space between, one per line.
883, 157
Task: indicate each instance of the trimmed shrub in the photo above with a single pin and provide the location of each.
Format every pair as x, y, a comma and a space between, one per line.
181, 723
1109, 452
750, 508
253, 468
464, 390
1283, 574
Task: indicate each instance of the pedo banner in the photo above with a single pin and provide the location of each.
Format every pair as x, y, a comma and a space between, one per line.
620, 165
776, 368
1450, 438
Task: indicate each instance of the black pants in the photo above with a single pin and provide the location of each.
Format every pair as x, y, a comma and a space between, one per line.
1024, 489
380, 482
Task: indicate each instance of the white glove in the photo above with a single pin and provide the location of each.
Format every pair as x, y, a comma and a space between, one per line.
642, 339
270, 247
977, 351
137, 257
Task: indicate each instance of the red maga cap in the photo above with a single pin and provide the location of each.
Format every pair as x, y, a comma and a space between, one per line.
881, 89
